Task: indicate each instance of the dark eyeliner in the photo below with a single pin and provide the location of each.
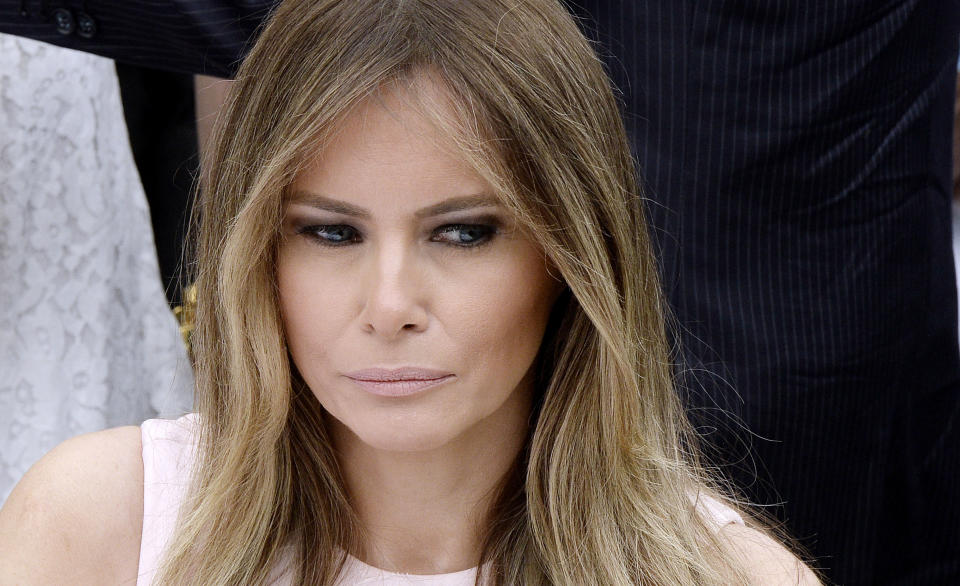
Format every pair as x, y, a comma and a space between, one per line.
489, 229
312, 233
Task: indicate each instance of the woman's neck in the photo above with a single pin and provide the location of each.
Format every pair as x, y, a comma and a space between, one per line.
425, 512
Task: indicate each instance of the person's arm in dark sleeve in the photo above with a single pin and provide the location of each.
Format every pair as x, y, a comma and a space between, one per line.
188, 36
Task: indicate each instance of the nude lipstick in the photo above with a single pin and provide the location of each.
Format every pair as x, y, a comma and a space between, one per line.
398, 382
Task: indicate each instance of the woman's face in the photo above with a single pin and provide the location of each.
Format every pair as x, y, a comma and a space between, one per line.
413, 305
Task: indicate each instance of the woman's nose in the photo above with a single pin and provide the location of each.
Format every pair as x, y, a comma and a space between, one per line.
395, 295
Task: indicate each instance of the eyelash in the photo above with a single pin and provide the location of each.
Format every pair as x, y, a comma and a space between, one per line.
487, 232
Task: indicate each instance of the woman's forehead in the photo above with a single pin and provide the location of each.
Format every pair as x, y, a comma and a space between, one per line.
400, 141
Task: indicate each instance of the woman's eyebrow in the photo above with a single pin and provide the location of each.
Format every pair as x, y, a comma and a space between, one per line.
453, 204
322, 202
457, 204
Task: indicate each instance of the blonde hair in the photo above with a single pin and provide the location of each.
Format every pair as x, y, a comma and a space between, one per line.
603, 491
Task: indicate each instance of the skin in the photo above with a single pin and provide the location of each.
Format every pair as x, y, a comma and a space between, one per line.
77, 514
391, 283
420, 468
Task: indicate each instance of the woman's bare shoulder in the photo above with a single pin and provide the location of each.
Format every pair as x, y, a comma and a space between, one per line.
77, 514
765, 560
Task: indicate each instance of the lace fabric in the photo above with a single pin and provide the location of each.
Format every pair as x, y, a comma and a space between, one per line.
87, 340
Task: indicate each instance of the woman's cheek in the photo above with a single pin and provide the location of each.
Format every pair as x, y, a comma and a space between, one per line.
311, 302
507, 308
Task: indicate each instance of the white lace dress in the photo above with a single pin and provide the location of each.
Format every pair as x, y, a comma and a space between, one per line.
87, 340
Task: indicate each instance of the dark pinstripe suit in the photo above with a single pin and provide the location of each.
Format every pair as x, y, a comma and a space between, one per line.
195, 36
798, 156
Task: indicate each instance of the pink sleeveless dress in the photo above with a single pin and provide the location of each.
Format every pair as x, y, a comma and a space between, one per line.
168, 453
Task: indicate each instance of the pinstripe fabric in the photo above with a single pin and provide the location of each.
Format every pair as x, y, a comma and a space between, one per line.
196, 36
796, 156
797, 161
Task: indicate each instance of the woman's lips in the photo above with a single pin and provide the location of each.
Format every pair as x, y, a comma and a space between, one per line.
398, 382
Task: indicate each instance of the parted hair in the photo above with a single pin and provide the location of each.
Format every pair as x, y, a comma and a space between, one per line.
603, 491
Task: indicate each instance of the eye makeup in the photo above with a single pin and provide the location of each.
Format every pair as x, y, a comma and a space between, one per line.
334, 235
459, 231
455, 235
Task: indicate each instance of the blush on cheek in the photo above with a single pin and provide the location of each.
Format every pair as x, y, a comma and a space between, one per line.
304, 310
514, 315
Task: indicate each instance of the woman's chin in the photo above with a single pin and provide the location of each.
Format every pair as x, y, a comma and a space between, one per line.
398, 436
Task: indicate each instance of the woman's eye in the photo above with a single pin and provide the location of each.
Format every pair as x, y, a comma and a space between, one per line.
332, 235
464, 235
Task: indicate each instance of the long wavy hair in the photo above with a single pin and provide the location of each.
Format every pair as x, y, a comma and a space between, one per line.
603, 491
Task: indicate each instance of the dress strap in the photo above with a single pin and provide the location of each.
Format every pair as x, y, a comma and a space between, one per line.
169, 448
